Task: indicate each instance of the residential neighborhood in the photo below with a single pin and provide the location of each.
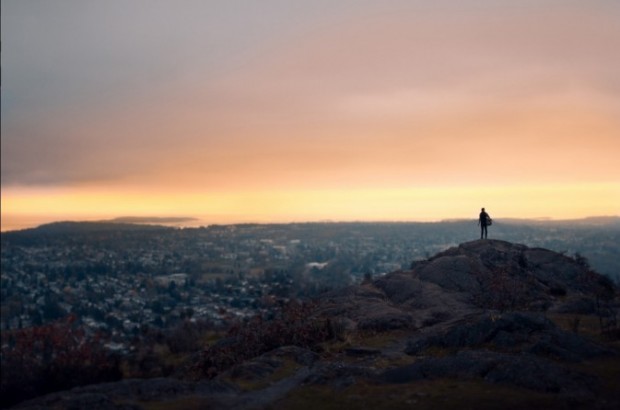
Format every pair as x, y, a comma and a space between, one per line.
123, 279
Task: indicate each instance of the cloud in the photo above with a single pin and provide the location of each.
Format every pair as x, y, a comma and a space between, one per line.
217, 95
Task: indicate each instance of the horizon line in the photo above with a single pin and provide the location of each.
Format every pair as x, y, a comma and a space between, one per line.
197, 222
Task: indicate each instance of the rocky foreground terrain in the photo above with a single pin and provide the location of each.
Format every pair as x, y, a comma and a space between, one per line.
487, 324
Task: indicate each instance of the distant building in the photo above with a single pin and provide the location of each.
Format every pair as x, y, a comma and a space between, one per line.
179, 279
317, 265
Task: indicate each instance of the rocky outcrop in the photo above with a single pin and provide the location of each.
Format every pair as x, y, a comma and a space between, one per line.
475, 276
523, 370
479, 311
529, 277
270, 362
512, 332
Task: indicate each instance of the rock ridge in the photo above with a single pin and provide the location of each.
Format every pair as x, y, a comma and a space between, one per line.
486, 311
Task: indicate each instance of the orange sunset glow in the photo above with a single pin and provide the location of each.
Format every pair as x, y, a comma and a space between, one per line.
315, 110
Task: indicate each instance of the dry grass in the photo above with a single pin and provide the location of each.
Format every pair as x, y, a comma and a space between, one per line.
426, 395
380, 340
459, 394
285, 370
608, 371
582, 324
185, 403
585, 325
370, 339
384, 362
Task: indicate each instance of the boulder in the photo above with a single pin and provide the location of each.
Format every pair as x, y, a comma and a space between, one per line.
515, 332
523, 370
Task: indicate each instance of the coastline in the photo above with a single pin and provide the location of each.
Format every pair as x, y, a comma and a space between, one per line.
21, 222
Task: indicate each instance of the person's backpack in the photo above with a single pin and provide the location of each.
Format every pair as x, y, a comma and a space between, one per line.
489, 221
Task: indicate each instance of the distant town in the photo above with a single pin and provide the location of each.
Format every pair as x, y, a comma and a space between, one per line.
123, 278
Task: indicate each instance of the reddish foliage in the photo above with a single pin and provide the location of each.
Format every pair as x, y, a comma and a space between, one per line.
52, 357
295, 324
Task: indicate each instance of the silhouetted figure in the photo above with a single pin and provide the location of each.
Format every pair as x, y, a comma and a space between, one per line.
484, 220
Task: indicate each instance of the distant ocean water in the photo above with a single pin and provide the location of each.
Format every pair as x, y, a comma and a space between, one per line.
19, 222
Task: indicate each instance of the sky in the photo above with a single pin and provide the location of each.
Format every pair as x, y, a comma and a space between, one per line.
284, 110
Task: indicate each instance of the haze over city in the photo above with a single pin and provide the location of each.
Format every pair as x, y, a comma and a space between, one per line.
277, 111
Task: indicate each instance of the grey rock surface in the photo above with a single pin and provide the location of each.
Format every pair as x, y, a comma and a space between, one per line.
482, 303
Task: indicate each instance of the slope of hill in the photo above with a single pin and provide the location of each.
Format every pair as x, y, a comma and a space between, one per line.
595, 238
487, 324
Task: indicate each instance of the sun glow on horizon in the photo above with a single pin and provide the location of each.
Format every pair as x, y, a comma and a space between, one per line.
273, 111
559, 201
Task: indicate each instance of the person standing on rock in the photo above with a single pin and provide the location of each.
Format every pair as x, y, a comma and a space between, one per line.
484, 220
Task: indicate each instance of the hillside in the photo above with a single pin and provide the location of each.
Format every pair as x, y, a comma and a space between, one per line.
486, 324
359, 242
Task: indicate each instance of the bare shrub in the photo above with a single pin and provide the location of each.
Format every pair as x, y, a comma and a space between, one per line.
53, 357
294, 324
